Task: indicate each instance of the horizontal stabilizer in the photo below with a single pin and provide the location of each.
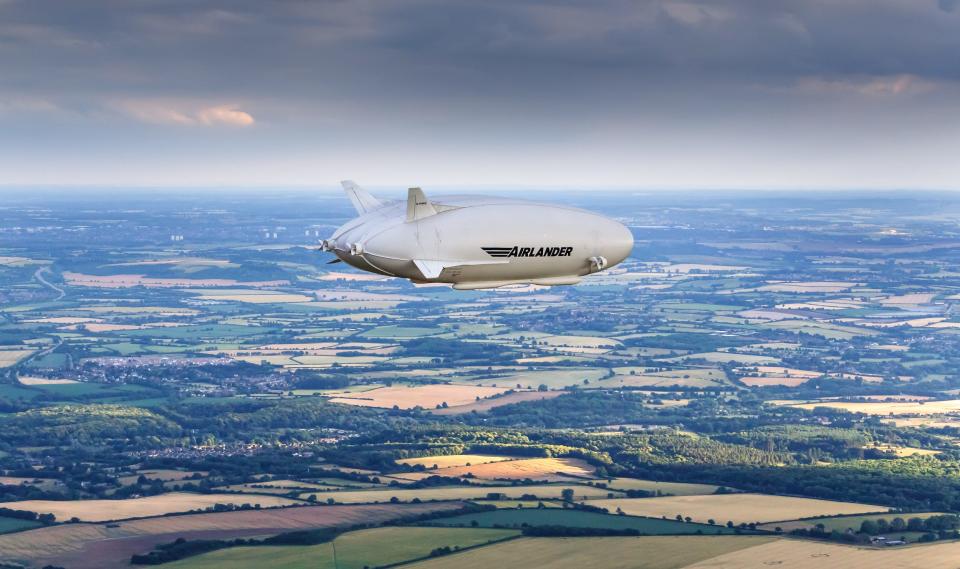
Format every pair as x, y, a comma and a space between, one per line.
360, 198
432, 269
547, 281
429, 269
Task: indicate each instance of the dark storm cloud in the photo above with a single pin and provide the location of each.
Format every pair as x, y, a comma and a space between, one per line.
265, 48
495, 76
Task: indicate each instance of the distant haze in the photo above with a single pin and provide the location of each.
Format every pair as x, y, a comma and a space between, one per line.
752, 94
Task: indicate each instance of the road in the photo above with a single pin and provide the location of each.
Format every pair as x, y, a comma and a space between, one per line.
39, 276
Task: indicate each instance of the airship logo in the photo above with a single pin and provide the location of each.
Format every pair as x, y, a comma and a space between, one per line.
528, 251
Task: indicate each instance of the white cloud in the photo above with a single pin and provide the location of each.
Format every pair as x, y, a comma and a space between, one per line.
695, 14
224, 115
27, 105
162, 112
868, 86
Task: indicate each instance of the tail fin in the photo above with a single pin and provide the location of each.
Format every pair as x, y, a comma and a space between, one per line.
361, 199
418, 206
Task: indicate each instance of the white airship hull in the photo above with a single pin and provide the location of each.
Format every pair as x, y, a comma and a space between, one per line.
476, 242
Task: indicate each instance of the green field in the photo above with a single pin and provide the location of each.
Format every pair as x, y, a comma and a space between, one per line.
399, 332
579, 519
354, 550
10, 391
197, 332
663, 488
552, 378
98, 392
8, 525
660, 552
843, 523
52, 361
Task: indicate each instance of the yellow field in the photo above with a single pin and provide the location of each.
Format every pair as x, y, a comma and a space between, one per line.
251, 296
701, 377
797, 554
455, 493
908, 300
577, 342
107, 327
259, 488
363, 296
10, 357
773, 380
63, 320
533, 468
762, 376
126, 281
447, 461
889, 407
19, 261
786, 372
905, 450
289, 484
105, 510
154, 310
45, 381
738, 508
673, 552
426, 396
184, 263
725, 357
49, 484
327, 361
376, 547
486, 404
552, 378
934, 423
811, 286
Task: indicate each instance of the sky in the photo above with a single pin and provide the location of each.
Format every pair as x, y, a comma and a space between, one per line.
578, 94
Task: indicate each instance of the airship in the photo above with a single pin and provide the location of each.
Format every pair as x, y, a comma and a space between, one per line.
476, 242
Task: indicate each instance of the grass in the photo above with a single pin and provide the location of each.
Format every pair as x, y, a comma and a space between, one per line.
580, 519
126, 348
400, 332
10, 391
8, 525
52, 361
510, 504
665, 488
63, 544
426, 396
843, 523
197, 332
552, 378
95, 392
662, 552
738, 508
354, 550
